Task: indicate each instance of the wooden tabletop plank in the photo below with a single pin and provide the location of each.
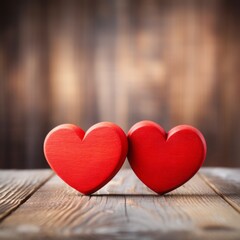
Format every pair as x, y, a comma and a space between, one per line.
17, 186
225, 182
123, 209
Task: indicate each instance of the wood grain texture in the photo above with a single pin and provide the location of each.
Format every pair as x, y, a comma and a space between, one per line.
86, 161
225, 182
17, 186
165, 160
123, 209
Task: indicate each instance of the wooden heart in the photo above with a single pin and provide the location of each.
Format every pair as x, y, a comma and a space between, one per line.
164, 161
86, 161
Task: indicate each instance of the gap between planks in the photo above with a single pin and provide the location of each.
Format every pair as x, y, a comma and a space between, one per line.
21, 202
191, 210
218, 192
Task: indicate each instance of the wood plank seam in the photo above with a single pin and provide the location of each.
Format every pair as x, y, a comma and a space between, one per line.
194, 211
215, 189
125, 208
25, 199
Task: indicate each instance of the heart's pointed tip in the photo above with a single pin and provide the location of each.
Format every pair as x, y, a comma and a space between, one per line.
86, 193
83, 191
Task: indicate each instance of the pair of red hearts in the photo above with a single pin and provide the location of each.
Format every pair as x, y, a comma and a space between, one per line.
87, 161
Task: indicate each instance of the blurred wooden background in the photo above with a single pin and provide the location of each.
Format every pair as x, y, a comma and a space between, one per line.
82, 62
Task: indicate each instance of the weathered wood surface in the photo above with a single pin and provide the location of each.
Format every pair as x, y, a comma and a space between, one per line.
126, 209
226, 183
17, 186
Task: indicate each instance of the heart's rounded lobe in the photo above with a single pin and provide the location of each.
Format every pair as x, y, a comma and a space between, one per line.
88, 161
164, 161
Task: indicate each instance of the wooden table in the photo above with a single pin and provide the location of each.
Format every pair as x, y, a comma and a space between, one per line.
37, 204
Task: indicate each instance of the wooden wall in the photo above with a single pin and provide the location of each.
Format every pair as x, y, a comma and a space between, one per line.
82, 62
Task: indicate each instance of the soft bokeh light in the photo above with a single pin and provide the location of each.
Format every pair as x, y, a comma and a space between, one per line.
173, 62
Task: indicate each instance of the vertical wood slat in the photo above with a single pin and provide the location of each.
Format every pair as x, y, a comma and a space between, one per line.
124, 61
66, 53
33, 103
124, 208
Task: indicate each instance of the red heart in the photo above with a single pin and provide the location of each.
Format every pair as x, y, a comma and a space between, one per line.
86, 161
164, 161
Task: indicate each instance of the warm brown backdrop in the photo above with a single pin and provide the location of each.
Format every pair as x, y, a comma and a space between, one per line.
82, 62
